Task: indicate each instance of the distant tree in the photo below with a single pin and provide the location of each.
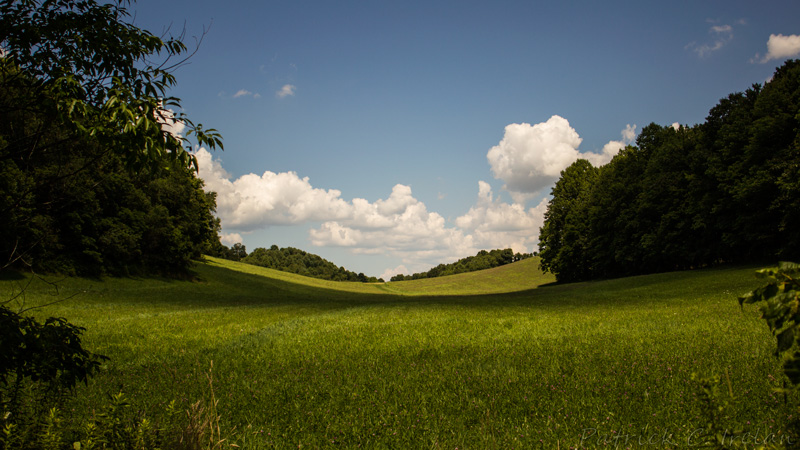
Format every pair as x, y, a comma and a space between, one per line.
482, 260
238, 251
297, 261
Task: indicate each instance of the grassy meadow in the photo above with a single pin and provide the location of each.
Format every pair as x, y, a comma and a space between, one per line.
501, 358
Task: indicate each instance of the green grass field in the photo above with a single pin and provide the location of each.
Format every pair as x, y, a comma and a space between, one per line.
500, 358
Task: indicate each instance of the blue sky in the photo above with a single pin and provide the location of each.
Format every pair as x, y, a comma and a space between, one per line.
393, 136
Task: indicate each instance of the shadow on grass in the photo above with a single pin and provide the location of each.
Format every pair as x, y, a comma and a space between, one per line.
217, 286
11, 275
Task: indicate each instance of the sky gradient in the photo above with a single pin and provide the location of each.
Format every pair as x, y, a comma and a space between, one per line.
393, 136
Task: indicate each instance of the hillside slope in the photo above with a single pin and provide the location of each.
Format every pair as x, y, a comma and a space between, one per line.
301, 361
519, 276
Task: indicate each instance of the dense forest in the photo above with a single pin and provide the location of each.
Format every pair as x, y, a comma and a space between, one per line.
70, 205
483, 260
92, 179
726, 190
291, 260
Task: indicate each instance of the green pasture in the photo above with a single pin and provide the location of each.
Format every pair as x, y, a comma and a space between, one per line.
501, 358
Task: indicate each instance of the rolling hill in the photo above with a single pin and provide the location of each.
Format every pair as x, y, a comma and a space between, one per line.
497, 358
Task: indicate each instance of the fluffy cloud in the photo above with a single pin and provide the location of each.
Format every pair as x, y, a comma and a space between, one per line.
495, 224
230, 238
286, 91
530, 158
257, 201
400, 225
389, 273
780, 47
612, 148
403, 227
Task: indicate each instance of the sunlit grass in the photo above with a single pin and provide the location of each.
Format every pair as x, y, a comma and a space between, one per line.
519, 276
429, 363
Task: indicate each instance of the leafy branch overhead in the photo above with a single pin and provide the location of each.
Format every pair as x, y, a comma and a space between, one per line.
98, 73
781, 310
95, 155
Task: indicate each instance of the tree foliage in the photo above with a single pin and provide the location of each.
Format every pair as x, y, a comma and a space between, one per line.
76, 208
297, 261
94, 74
92, 179
780, 308
40, 362
482, 260
726, 190
49, 353
563, 232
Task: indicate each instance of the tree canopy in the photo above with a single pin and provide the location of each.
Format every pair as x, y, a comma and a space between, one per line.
726, 190
93, 176
99, 77
297, 261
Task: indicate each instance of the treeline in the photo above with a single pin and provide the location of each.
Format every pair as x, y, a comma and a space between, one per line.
292, 260
726, 190
236, 252
70, 203
483, 260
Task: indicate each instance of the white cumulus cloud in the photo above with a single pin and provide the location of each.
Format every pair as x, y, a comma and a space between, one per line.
530, 158
780, 47
612, 148
495, 224
256, 201
399, 225
245, 93
389, 273
230, 238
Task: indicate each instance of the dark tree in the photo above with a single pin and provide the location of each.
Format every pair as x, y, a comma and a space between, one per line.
562, 238
726, 190
91, 178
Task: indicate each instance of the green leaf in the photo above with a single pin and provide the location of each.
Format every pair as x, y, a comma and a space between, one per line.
789, 267
786, 339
